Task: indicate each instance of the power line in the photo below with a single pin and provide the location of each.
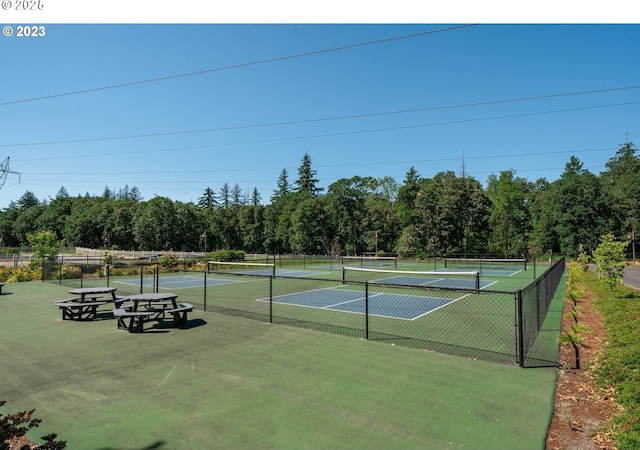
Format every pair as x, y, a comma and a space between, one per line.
158, 184
385, 113
235, 66
326, 166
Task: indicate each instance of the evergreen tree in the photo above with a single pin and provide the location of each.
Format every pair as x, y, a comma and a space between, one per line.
123, 193
208, 200
407, 194
108, 194
621, 182
135, 194
28, 200
236, 195
283, 186
225, 195
256, 198
62, 193
306, 182
580, 211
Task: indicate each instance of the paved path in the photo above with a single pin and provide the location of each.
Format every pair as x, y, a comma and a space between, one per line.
632, 276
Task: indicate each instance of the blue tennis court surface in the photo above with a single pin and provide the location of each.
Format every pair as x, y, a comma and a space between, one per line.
398, 306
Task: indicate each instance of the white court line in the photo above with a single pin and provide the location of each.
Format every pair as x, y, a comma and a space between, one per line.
167, 377
301, 292
359, 299
441, 306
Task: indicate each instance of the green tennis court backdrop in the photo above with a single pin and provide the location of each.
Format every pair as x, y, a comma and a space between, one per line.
494, 325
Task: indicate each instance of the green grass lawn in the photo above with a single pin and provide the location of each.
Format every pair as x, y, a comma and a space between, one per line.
229, 382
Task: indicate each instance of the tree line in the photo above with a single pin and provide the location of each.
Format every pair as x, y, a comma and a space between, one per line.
449, 213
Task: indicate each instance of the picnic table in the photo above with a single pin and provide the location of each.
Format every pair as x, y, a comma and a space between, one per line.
84, 304
151, 306
93, 292
154, 299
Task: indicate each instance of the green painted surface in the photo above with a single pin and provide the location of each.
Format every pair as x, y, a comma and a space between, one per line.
230, 382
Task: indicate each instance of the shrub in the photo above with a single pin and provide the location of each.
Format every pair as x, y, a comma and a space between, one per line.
200, 265
71, 272
20, 275
168, 260
226, 255
16, 425
583, 258
107, 258
123, 270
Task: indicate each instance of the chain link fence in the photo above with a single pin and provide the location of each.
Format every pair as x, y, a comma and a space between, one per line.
498, 326
533, 305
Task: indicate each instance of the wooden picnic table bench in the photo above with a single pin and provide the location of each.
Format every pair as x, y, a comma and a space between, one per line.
85, 307
180, 314
73, 309
137, 318
118, 301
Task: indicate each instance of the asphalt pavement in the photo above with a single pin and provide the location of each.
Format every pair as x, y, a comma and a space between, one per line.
632, 276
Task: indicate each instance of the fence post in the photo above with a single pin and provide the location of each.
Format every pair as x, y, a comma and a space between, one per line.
108, 274
141, 277
477, 282
205, 291
539, 318
366, 310
60, 277
520, 326
270, 298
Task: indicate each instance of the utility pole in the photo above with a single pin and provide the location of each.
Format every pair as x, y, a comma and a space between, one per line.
376, 242
633, 244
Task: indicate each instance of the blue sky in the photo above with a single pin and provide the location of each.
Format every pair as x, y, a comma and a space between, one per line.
430, 101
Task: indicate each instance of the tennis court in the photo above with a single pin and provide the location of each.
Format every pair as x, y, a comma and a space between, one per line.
486, 266
437, 279
395, 306
178, 281
228, 382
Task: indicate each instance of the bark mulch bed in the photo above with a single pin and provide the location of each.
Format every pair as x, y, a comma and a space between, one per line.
581, 408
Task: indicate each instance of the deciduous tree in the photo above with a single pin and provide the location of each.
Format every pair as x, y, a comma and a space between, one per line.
610, 259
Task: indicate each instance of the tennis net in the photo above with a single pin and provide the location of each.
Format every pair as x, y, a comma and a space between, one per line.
455, 280
483, 264
244, 268
369, 261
